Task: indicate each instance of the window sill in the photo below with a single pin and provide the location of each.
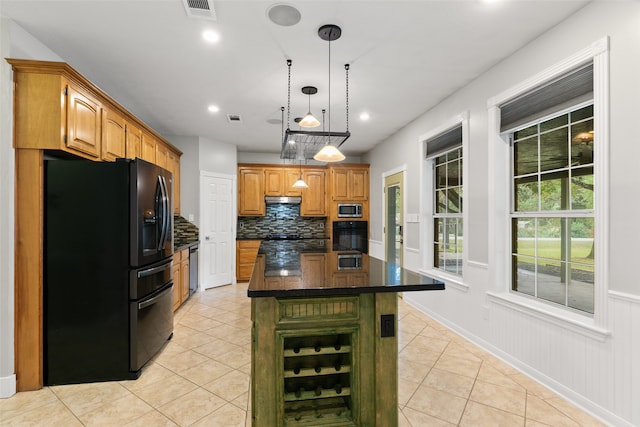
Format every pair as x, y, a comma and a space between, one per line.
450, 280
574, 322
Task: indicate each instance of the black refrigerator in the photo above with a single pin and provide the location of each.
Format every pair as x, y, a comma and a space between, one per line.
108, 282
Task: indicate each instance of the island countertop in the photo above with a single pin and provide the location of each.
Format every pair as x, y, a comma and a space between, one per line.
309, 268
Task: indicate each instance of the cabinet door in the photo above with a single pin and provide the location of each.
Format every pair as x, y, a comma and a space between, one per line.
173, 166
339, 184
314, 269
291, 175
184, 280
314, 197
113, 135
251, 192
83, 122
279, 181
358, 184
273, 182
246, 255
177, 300
148, 148
133, 141
161, 155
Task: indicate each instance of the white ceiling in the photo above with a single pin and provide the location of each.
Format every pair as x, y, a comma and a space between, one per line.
405, 56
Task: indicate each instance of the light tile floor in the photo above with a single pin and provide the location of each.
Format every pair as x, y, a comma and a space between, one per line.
201, 378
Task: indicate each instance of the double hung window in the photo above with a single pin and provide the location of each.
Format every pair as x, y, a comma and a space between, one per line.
552, 193
445, 151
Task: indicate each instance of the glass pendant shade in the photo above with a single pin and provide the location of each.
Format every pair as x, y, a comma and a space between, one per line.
309, 121
300, 183
329, 153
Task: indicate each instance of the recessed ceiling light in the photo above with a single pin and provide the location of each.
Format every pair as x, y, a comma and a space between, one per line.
211, 36
364, 116
213, 108
284, 15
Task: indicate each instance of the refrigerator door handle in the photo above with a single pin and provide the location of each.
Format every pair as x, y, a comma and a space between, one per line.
162, 213
151, 301
154, 270
167, 212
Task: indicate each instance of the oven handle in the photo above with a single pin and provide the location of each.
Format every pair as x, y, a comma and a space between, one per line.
147, 303
154, 270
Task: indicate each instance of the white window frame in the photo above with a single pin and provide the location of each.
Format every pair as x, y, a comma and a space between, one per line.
427, 203
500, 198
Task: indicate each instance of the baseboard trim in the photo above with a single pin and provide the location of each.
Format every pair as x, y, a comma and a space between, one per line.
7, 386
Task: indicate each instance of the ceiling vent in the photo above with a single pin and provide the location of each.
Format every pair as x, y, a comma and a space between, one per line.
200, 9
234, 118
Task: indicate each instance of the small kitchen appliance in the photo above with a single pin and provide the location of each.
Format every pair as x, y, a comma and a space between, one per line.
349, 210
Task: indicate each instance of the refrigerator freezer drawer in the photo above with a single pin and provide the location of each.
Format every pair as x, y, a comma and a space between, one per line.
151, 325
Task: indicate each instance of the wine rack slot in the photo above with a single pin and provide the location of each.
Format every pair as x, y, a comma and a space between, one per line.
317, 380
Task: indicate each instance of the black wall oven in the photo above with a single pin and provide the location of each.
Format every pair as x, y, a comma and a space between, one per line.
351, 236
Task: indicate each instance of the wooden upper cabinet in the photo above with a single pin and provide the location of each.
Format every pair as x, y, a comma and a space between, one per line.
279, 181
251, 191
83, 122
148, 148
350, 183
113, 135
173, 166
314, 200
133, 141
162, 154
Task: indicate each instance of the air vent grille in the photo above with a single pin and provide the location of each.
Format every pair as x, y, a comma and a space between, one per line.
234, 118
200, 9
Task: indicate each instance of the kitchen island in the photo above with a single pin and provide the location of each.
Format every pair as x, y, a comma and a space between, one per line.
324, 337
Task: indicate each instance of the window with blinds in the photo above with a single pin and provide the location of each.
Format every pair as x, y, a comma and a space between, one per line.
551, 130
445, 151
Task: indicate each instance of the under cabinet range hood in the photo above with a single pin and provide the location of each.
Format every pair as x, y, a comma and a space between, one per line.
284, 200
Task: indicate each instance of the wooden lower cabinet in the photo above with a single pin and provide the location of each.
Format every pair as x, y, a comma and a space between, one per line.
246, 253
180, 277
321, 361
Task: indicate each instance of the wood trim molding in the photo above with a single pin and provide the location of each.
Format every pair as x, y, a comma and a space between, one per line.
28, 269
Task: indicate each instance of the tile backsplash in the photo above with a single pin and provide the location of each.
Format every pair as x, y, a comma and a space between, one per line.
280, 218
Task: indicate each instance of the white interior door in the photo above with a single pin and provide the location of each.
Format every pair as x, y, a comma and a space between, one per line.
217, 245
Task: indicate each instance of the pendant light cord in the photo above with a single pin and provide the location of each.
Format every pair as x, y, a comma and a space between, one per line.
329, 126
289, 94
346, 71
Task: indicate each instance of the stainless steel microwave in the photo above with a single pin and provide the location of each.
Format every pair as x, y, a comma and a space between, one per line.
349, 261
349, 210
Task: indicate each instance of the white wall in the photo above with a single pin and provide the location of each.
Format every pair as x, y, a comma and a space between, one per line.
200, 155
601, 374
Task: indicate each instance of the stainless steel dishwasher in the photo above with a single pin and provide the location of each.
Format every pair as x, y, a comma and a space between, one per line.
193, 269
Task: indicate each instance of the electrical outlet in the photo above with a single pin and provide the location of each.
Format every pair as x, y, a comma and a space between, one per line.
190, 217
387, 325
322, 226
242, 225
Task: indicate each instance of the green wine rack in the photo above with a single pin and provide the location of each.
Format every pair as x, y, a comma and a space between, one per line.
318, 380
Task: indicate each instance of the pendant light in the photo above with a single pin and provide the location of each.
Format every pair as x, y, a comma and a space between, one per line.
330, 153
305, 144
300, 182
308, 121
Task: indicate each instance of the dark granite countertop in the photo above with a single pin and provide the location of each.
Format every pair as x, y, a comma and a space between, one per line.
263, 237
185, 245
309, 268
